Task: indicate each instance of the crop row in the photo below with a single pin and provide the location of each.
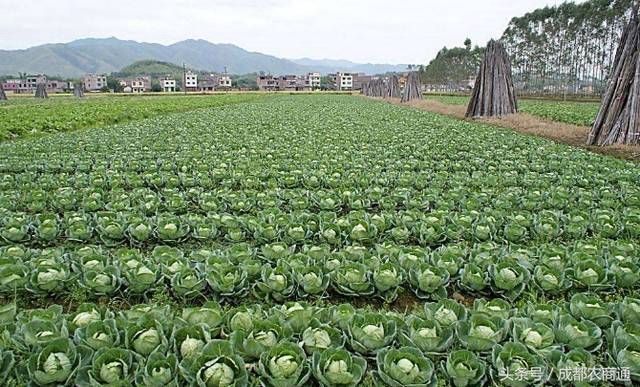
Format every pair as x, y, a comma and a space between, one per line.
197, 198
114, 228
279, 272
295, 343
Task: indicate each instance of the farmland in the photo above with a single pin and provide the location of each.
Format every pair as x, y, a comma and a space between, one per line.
325, 239
20, 117
577, 113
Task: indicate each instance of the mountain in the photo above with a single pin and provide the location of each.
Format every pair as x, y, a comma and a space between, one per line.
108, 55
111, 54
346, 65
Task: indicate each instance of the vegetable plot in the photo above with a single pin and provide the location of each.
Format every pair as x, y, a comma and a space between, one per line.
577, 113
218, 248
28, 117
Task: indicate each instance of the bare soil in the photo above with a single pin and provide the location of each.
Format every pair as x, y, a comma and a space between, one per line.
568, 134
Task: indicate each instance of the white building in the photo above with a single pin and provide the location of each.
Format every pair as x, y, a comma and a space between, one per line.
224, 81
191, 81
344, 81
314, 80
168, 85
93, 82
137, 86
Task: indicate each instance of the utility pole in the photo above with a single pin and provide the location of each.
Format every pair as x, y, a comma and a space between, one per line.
224, 71
184, 77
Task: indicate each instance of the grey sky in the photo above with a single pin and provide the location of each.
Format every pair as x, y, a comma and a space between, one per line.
379, 31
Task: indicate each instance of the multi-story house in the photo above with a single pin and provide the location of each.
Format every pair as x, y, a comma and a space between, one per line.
342, 81
314, 80
224, 81
266, 83
137, 86
287, 83
190, 81
30, 84
93, 82
209, 83
167, 84
11, 85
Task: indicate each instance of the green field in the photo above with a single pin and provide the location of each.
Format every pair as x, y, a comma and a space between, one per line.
312, 240
21, 116
578, 113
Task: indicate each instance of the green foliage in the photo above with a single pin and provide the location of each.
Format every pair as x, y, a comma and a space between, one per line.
66, 114
296, 202
452, 67
577, 113
151, 68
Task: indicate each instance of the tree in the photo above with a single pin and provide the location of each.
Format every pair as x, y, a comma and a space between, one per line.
567, 48
105, 89
114, 85
155, 87
467, 44
453, 68
327, 83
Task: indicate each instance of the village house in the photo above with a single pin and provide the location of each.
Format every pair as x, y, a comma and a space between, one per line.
167, 84
343, 81
266, 83
30, 84
287, 83
191, 81
314, 80
10, 86
225, 81
213, 82
93, 82
307, 82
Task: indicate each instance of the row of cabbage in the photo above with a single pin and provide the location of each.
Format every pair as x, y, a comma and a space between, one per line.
463, 179
284, 272
296, 343
357, 227
92, 197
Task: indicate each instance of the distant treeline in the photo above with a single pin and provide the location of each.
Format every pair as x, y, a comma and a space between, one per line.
567, 48
562, 49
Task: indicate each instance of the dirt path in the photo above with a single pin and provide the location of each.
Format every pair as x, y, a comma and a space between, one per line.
567, 134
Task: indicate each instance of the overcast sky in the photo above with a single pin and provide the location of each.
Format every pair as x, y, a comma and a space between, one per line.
367, 31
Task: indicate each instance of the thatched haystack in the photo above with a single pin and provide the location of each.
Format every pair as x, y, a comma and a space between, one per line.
78, 91
3, 95
365, 88
41, 92
494, 94
413, 88
393, 90
378, 88
618, 120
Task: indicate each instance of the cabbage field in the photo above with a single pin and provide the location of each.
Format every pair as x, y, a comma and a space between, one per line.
323, 240
24, 117
577, 113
